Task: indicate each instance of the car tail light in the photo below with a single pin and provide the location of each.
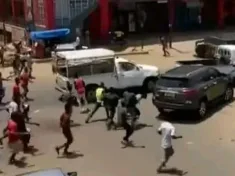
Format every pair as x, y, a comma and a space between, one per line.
189, 93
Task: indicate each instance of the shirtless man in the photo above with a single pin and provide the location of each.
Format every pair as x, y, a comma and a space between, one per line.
65, 125
25, 79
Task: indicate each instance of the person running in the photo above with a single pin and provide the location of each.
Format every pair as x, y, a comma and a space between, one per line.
12, 106
14, 143
164, 46
99, 101
65, 125
131, 101
25, 79
167, 131
2, 88
80, 87
16, 92
110, 104
122, 114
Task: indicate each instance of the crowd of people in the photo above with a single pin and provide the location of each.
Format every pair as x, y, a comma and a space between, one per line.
125, 106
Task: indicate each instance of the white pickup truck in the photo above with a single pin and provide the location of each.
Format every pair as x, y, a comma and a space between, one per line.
101, 65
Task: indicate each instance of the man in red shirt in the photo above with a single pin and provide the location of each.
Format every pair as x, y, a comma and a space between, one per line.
16, 91
24, 82
14, 143
80, 87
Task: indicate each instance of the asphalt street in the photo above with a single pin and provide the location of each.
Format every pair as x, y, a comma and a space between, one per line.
206, 148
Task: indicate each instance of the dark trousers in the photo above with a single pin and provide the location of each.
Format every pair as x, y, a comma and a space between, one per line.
110, 111
96, 107
129, 131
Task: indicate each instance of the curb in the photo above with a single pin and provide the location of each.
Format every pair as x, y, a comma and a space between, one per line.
40, 61
132, 53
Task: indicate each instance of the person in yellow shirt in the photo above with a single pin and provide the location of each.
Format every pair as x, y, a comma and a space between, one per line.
99, 101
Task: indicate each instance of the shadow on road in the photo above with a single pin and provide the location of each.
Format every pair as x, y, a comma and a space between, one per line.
21, 163
187, 117
98, 120
131, 144
140, 126
72, 155
172, 171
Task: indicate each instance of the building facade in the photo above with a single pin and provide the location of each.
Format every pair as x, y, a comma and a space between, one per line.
19, 16
127, 15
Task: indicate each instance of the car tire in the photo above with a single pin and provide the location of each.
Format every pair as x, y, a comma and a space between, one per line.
228, 96
90, 93
202, 109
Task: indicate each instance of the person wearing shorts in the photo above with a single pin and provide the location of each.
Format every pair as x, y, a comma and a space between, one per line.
167, 131
81, 92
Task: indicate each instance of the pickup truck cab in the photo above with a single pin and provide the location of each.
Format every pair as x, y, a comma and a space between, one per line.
227, 52
101, 65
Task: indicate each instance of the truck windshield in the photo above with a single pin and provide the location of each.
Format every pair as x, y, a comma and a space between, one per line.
173, 82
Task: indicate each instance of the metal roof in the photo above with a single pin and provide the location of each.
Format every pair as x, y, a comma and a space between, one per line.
85, 54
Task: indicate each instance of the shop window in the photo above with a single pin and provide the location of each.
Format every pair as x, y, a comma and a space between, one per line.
41, 12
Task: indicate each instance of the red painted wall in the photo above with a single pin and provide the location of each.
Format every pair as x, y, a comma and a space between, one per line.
49, 22
50, 11
220, 12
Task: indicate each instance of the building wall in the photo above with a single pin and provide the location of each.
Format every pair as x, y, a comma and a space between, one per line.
43, 12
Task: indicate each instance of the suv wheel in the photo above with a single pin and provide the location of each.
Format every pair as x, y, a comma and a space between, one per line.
202, 110
228, 96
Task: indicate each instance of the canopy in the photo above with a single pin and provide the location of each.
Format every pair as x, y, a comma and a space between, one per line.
49, 34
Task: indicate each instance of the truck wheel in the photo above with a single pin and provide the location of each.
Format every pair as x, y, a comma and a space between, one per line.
90, 93
228, 96
202, 110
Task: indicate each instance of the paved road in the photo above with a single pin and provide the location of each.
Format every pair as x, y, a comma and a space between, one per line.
206, 148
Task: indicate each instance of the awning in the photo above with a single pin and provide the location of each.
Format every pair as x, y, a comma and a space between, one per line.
49, 34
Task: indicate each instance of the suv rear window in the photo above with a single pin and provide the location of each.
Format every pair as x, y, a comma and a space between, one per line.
172, 82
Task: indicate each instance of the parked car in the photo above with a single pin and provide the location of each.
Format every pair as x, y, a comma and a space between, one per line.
223, 66
207, 47
193, 88
101, 65
49, 172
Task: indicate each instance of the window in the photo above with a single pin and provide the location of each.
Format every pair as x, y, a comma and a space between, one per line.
41, 12
173, 82
81, 70
210, 74
127, 66
103, 67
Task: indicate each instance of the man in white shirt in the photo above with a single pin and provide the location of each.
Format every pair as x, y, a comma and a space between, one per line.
12, 107
167, 131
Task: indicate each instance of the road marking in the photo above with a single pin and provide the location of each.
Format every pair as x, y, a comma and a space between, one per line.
36, 111
189, 143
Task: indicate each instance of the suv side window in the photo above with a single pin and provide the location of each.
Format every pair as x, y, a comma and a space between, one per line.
211, 74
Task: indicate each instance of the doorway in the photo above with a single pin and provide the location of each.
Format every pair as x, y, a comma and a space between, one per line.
156, 16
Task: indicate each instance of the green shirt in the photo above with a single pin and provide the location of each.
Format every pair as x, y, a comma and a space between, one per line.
99, 94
